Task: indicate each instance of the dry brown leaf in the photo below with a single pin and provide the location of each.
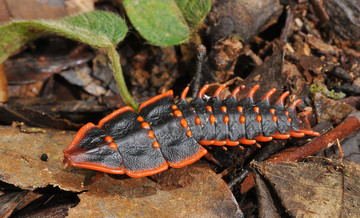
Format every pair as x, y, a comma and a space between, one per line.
205, 196
202, 194
36, 9
330, 110
314, 189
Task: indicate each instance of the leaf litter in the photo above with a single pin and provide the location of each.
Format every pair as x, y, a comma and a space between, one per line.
324, 188
203, 192
310, 55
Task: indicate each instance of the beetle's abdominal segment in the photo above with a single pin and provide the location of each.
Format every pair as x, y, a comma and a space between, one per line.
165, 133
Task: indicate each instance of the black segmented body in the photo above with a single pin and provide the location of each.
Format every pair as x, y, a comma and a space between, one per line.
166, 134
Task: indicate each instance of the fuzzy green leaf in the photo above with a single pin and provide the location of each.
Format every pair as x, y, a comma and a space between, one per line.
166, 22
12, 37
97, 28
194, 11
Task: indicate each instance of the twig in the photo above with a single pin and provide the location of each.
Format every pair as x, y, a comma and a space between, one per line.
3, 85
320, 10
201, 52
344, 129
285, 31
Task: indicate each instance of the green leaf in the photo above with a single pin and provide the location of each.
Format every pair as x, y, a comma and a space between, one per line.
12, 37
194, 12
166, 22
97, 28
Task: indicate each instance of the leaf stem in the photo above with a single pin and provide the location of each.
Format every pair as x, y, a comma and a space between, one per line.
115, 62
3, 85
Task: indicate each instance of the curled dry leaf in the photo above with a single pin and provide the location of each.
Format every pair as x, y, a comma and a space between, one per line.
25, 70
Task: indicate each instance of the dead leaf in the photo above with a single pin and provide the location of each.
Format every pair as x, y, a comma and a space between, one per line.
330, 110
241, 18
314, 189
32, 117
9, 201
205, 196
203, 193
25, 70
18, 9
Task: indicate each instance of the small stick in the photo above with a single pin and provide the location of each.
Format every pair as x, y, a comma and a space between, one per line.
320, 10
340, 150
285, 31
344, 129
201, 52
3, 85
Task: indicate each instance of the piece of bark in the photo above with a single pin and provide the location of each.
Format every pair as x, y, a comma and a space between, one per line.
325, 189
241, 18
344, 17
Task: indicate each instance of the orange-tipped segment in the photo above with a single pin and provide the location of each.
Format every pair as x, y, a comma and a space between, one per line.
268, 95
281, 99
202, 91
219, 90
184, 93
251, 93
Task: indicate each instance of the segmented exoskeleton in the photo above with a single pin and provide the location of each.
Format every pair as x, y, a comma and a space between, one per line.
165, 133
